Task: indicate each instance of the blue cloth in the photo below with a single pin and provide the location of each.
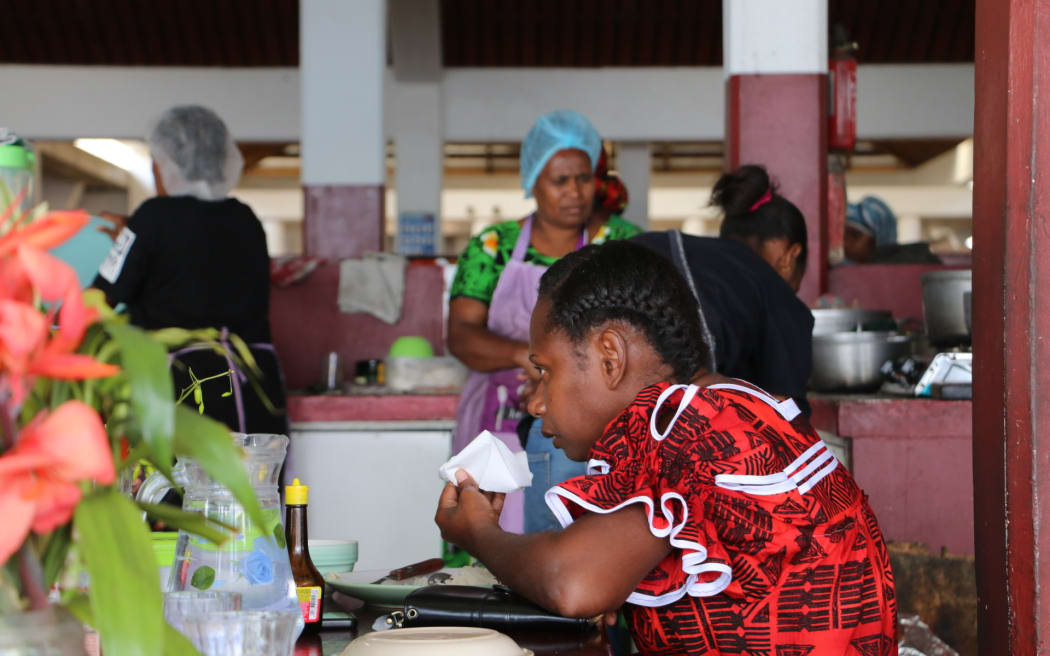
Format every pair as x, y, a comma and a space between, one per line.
549, 467
874, 217
559, 130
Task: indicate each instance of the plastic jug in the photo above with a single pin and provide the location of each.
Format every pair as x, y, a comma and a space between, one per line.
251, 563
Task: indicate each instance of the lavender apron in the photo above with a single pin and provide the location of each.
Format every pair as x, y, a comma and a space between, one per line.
490, 399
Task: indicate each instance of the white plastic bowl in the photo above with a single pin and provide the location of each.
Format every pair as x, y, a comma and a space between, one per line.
435, 641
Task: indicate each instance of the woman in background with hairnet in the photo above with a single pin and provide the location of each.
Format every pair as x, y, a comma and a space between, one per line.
871, 236
496, 286
194, 258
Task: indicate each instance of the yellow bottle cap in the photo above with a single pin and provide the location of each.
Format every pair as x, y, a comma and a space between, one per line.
296, 493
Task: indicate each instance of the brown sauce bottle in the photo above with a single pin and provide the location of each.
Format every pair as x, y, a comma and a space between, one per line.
309, 584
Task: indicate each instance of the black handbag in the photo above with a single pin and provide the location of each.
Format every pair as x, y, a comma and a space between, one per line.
496, 608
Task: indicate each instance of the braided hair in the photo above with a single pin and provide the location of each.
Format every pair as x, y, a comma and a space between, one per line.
754, 210
624, 281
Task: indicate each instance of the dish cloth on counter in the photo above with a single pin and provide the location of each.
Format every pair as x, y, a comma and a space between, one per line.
489, 462
374, 284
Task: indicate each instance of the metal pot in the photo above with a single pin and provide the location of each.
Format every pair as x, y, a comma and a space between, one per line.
827, 321
852, 362
943, 307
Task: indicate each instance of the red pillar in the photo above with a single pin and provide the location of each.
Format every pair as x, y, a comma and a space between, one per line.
780, 121
1011, 306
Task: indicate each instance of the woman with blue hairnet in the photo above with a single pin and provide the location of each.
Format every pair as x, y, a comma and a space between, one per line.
496, 287
871, 236
194, 258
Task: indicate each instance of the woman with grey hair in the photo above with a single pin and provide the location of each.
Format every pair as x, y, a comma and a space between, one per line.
192, 258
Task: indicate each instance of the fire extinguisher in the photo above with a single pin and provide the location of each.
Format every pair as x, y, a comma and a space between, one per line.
842, 136
842, 113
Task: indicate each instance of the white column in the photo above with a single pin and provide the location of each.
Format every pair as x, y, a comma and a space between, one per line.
417, 119
773, 36
342, 48
634, 166
342, 67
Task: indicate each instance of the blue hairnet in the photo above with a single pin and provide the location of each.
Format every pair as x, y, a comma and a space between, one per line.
874, 217
558, 130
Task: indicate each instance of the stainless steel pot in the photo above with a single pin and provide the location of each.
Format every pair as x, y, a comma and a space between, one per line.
943, 307
852, 362
827, 321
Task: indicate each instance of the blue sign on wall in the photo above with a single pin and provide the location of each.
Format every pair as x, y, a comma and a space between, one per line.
416, 234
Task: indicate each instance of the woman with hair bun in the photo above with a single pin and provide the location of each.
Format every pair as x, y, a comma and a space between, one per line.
756, 214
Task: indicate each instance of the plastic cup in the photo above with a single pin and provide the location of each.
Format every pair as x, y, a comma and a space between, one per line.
191, 603
243, 632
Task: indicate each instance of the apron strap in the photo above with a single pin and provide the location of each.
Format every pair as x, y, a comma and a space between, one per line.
678, 256
521, 246
237, 376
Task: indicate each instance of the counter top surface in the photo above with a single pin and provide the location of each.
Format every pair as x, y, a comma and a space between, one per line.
883, 415
378, 405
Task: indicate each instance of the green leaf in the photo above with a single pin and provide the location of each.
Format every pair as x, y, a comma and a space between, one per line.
203, 577
172, 337
176, 644
278, 535
125, 594
192, 522
209, 443
145, 363
96, 299
55, 553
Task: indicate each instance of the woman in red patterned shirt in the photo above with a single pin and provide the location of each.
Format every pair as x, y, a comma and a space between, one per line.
711, 511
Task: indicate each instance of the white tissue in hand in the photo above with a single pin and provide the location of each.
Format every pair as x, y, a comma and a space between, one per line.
489, 462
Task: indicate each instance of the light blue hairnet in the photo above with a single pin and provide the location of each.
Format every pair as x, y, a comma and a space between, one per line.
874, 217
558, 130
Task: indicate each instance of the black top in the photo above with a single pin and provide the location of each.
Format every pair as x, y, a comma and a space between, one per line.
191, 263
761, 329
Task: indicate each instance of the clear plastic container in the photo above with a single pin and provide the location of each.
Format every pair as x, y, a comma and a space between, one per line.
252, 563
407, 374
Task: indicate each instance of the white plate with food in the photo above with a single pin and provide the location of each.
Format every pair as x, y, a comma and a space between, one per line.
376, 588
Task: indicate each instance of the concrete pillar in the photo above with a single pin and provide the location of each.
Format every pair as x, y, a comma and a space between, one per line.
776, 63
415, 35
1011, 310
342, 64
634, 166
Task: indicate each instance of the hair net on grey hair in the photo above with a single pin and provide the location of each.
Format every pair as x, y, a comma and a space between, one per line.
195, 153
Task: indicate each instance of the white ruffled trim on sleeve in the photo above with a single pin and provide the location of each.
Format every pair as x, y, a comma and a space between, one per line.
693, 561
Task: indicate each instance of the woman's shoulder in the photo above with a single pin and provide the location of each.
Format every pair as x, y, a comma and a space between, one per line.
616, 227
495, 238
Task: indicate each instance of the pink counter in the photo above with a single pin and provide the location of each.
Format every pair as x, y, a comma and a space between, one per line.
373, 407
914, 458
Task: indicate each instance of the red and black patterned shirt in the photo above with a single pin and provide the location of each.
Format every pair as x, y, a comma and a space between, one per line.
775, 550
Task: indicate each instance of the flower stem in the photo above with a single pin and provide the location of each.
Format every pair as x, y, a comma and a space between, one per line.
32, 576
8, 411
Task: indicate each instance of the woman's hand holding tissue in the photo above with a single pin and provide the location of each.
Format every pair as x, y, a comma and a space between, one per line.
461, 510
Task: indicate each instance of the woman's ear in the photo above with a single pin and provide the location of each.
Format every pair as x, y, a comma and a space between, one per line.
786, 263
611, 346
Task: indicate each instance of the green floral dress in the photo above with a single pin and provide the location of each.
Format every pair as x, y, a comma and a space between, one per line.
483, 260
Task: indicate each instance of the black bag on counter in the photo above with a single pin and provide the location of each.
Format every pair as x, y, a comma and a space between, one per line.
492, 608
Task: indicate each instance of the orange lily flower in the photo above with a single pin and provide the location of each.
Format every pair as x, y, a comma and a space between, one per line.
25, 350
50, 230
39, 477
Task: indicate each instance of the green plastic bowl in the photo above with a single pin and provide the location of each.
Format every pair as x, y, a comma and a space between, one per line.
411, 347
333, 556
164, 547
